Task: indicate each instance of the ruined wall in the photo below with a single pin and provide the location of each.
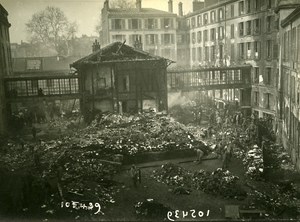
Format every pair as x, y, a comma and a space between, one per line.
289, 104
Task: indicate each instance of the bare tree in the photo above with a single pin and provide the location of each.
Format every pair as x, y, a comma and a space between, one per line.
52, 27
122, 4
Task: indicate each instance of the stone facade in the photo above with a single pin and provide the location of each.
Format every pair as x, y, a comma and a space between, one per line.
289, 76
5, 64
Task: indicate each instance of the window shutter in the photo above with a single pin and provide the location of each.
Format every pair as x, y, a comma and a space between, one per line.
155, 24
162, 23
123, 23
272, 25
162, 38
112, 23
275, 51
146, 23
172, 38
139, 23
156, 39
129, 23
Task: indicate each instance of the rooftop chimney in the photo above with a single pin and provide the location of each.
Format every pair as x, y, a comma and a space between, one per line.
170, 4
106, 5
180, 11
139, 4
96, 46
197, 5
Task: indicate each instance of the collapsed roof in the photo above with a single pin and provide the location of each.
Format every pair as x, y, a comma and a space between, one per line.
117, 52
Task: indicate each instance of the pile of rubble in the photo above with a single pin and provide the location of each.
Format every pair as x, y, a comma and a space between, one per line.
278, 200
151, 209
173, 175
254, 163
130, 135
219, 182
83, 163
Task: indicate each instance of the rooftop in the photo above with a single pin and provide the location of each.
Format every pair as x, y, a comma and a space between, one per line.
3, 16
114, 53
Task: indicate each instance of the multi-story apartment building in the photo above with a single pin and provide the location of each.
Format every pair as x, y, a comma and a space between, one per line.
149, 29
239, 32
289, 78
5, 63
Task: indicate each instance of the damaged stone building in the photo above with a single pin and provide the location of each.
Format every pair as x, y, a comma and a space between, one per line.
121, 78
289, 78
216, 33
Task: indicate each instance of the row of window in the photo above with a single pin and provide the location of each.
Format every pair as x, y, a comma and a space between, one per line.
215, 33
252, 50
206, 18
246, 50
217, 15
266, 78
150, 23
208, 53
48, 87
291, 45
150, 39
251, 27
4, 33
204, 78
268, 100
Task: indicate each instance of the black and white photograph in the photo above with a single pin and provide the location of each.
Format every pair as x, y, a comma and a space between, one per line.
150, 110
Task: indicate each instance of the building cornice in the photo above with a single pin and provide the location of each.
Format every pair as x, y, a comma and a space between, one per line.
282, 7
292, 17
210, 8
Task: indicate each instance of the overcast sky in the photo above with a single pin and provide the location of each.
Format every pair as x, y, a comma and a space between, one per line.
84, 12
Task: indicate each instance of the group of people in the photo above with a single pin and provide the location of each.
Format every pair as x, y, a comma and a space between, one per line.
227, 126
136, 175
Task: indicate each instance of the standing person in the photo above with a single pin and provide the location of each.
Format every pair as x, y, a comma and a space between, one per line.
134, 174
140, 176
200, 115
40, 92
237, 119
227, 155
219, 121
227, 122
200, 154
211, 117
33, 131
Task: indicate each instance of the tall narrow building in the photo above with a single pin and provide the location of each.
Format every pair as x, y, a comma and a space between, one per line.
5, 64
289, 78
238, 32
148, 29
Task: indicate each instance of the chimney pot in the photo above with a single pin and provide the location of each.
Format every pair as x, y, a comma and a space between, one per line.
139, 4
96, 46
170, 4
106, 5
180, 11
